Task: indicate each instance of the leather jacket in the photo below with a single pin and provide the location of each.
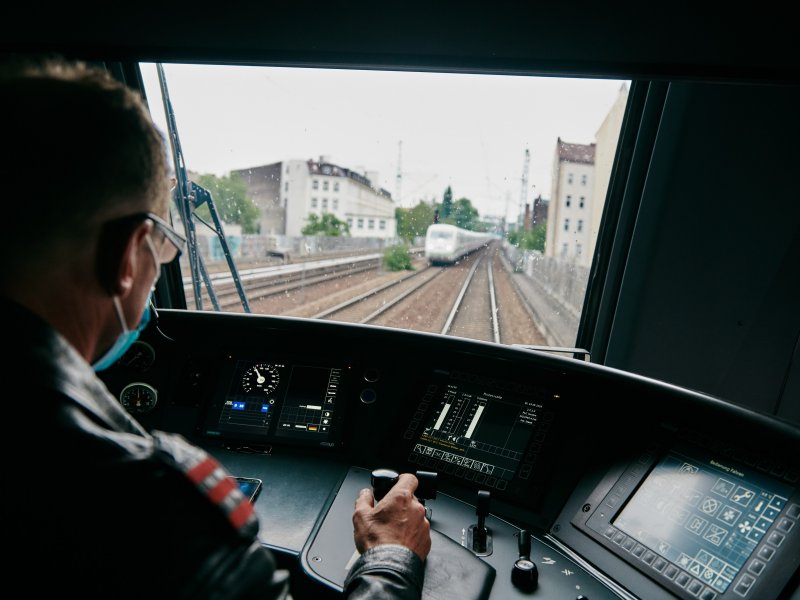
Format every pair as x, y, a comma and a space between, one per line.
100, 507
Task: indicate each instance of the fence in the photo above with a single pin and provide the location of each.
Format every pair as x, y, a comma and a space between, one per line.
554, 289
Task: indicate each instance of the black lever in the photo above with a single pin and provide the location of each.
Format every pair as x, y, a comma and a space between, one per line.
480, 533
426, 486
525, 575
426, 489
382, 481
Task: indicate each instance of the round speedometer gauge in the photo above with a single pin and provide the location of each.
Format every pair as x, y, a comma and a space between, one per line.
138, 398
261, 378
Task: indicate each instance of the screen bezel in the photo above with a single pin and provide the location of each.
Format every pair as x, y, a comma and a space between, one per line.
210, 418
538, 452
620, 485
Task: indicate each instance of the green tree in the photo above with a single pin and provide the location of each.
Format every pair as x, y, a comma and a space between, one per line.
413, 222
447, 204
229, 194
465, 215
328, 225
529, 239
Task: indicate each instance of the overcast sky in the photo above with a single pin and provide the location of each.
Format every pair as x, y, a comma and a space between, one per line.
466, 131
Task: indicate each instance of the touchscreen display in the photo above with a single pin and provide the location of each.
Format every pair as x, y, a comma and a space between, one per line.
704, 515
265, 400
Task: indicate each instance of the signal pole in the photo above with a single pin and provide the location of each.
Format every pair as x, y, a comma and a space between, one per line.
524, 195
399, 179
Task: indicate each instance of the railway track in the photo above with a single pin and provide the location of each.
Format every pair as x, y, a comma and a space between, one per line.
474, 298
262, 282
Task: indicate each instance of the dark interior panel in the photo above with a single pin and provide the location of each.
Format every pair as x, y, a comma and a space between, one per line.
566, 450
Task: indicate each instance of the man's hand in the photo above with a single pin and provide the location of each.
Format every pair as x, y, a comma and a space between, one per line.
398, 518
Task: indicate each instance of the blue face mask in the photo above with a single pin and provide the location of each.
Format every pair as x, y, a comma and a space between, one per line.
125, 339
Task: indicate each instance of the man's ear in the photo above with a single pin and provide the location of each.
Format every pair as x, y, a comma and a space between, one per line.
118, 257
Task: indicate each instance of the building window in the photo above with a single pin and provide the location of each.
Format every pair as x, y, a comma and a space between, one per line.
569, 177
286, 187
580, 225
350, 223
382, 224
569, 201
324, 204
287, 169
566, 224
314, 184
313, 203
361, 223
371, 224
582, 202
324, 185
583, 179
578, 249
564, 249
335, 186
335, 204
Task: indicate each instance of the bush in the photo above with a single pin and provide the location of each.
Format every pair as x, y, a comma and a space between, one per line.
397, 258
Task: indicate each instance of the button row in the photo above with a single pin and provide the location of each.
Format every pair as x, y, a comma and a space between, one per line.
767, 550
441, 466
665, 568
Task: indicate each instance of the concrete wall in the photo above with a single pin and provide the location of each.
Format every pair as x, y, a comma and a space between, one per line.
554, 289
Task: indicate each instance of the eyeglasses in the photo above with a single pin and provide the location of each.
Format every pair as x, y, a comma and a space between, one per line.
168, 246
172, 242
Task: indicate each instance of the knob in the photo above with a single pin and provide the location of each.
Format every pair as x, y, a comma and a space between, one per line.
382, 481
525, 575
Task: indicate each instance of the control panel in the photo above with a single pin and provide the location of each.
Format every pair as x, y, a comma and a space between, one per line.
520, 565
700, 524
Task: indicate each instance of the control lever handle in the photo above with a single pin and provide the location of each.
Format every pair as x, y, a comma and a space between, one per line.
426, 486
479, 533
382, 481
524, 544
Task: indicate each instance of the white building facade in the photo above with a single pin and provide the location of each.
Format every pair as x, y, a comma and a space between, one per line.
569, 214
581, 175
289, 191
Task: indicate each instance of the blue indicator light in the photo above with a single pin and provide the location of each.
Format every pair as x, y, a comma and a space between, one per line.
238, 406
264, 408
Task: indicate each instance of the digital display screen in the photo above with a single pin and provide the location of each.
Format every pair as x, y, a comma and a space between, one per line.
704, 515
479, 431
265, 400
249, 486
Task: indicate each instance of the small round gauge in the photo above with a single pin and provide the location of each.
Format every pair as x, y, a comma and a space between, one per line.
138, 398
261, 378
140, 356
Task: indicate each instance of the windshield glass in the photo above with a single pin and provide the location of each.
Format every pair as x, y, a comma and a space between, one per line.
461, 204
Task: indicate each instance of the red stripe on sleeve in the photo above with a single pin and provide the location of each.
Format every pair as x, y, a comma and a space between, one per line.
241, 514
220, 491
202, 470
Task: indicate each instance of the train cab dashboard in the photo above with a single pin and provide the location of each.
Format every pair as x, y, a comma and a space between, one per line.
545, 476
628, 487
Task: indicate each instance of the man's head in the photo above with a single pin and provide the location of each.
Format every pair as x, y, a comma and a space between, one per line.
86, 187
81, 150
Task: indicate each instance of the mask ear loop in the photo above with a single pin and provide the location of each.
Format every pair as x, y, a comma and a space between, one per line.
153, 310
154, 320
120, 315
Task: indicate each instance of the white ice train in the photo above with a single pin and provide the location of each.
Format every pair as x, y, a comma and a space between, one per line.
446, 244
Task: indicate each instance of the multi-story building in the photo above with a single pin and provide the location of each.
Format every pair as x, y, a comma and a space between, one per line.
606, 138
569, 212
287, 192
579, 186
